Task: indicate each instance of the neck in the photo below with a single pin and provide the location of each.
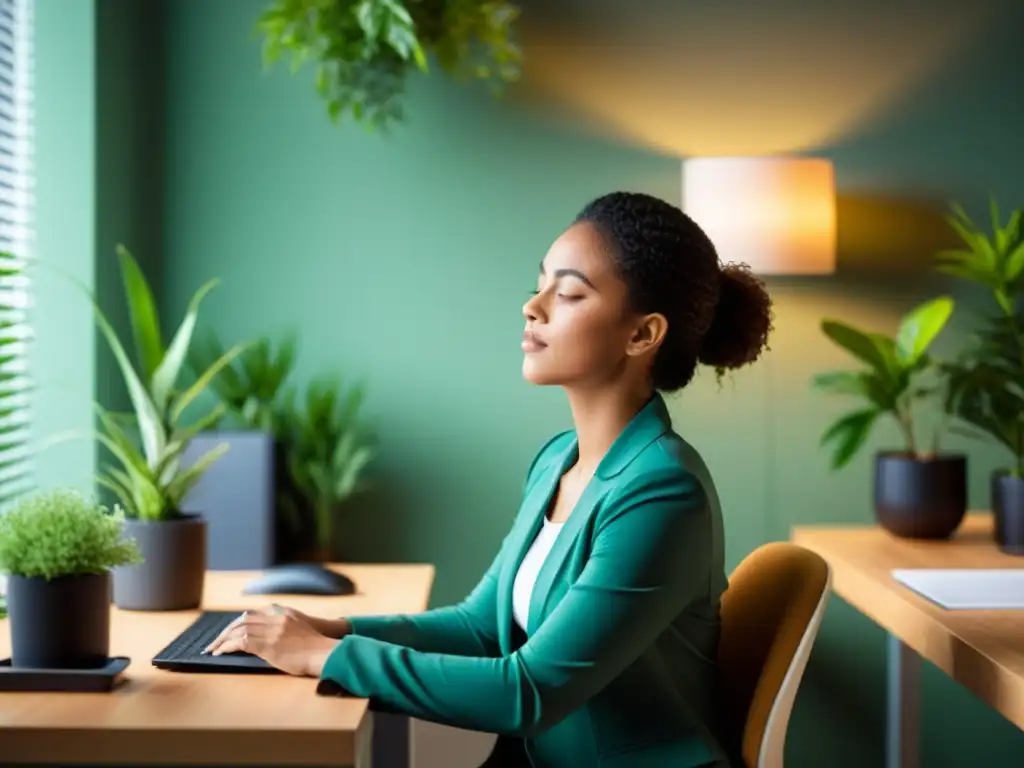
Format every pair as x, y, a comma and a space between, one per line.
600, 416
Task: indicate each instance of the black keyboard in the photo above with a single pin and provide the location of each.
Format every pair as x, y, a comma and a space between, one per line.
185, 653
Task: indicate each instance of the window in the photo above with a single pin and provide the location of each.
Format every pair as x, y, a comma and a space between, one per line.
16, 204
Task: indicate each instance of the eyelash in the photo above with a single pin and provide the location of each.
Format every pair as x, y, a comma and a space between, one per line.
562, 296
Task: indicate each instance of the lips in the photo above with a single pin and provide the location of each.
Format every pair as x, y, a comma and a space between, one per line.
532, 342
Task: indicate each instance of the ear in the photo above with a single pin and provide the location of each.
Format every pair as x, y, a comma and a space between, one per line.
648, 334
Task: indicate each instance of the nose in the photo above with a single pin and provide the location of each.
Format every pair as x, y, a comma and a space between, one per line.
533, 309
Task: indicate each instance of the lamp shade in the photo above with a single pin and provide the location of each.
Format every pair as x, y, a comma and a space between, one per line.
777, 214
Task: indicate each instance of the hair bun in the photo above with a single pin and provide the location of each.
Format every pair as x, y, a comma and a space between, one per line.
742, 321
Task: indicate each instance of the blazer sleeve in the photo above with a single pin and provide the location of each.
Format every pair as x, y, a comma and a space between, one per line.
652, 556
469, 628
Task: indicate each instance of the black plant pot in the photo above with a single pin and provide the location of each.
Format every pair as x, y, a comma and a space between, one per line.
173, 570
920, 498
63, 623
1008, 510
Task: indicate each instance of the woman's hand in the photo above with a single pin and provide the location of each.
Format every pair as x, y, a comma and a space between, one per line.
279, 638
336, 628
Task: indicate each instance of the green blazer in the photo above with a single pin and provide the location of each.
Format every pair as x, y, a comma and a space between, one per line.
616, 668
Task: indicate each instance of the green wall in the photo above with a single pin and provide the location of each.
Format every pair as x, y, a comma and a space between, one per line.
99, 168
62, 355
404, 261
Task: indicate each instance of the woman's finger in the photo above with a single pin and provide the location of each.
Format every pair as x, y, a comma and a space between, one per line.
244, 621
232, 645
242, 639
224, 634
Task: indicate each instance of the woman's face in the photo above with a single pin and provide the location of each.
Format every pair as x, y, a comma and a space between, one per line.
579, 330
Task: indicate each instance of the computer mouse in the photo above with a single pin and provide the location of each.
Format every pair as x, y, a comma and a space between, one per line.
300, 579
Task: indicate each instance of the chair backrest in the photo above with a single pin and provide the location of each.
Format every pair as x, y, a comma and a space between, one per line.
771, 613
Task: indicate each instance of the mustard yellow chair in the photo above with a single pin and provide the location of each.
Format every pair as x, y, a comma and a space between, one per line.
771, 614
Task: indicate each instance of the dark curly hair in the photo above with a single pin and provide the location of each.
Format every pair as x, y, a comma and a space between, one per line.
717, 315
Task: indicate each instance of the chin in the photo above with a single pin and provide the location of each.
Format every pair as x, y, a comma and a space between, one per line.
536, 373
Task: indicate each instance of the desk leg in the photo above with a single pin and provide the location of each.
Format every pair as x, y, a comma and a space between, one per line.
903, 701
390, 740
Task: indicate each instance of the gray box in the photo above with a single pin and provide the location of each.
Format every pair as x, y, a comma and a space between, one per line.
237, 498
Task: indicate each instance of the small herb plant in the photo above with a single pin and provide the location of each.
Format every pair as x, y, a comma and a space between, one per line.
891, 383
364, 50
986, 383
63, 533
251, 385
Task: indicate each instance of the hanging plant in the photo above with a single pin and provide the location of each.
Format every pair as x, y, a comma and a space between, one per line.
364, 50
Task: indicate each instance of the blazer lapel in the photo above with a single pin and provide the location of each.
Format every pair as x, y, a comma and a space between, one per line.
648, 425
534, 507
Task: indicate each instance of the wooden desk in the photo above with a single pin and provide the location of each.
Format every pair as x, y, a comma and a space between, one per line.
982, 650
163, 718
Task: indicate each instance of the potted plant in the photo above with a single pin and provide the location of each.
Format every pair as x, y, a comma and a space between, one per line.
365, 50
146, 472
243, 486
986, 383
328, 450
919, 493
58, 548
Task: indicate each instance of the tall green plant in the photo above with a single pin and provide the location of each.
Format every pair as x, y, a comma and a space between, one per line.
986, 382
150, 482
890, 384
250, 387
365, 50
329, 448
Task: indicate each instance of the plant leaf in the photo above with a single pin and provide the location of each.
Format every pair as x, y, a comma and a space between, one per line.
864, 346
166, 376
200, 384
920, 327
184, 480
848, 434
150, 423
142, 312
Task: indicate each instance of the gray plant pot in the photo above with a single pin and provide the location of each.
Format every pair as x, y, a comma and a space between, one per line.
173, 571
237, 496
63, 623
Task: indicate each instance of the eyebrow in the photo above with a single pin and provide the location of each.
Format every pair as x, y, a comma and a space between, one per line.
569, 273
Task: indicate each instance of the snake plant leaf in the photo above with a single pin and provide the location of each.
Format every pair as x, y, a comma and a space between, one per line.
199, 386
123, 493
171, 462
147, 500
166, 376
204, 350
184, 480
115, 432
150, 423
920, 326
143, 315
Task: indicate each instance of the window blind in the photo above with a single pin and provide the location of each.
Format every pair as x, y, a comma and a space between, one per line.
16, 243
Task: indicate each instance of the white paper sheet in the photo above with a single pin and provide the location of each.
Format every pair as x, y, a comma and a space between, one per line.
967, 588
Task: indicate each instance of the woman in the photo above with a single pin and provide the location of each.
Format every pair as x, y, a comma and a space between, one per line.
591, 640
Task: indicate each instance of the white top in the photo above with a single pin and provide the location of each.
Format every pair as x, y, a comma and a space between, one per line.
526, 577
